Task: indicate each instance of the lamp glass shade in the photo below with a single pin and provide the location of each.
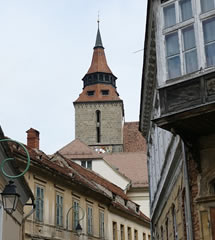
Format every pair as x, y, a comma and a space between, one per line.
10, 197
78, 229
10, 202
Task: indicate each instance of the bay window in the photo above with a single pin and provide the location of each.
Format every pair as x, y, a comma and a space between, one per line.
188, 36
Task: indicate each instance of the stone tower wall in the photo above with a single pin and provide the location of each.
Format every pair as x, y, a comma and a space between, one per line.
111, 124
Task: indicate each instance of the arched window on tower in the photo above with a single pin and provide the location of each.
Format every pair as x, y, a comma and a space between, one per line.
98, 126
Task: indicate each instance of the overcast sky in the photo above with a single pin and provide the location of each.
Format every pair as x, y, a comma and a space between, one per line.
46, 48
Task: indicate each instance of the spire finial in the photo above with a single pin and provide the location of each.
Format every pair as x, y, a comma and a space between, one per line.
98, 37
98, 21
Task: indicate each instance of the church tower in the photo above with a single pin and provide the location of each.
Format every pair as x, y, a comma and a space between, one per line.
99, 111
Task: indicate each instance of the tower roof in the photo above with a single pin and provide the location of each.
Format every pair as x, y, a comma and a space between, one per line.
99, 62
99, 82
98, 40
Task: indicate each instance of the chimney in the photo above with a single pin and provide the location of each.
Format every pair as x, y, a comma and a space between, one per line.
33, 138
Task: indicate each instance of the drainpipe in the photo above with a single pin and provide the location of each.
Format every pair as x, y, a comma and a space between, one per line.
26, 216
187, 193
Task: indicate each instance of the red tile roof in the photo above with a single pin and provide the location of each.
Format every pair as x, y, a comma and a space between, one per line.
78, 150
74, 172
133, 141
99, 63
132, 164
98, 96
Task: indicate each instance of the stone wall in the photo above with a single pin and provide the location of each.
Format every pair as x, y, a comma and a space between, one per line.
111, 123
165, 221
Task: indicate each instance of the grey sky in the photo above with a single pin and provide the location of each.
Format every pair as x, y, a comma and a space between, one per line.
46, 48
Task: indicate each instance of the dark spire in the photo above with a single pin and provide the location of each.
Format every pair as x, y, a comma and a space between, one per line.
98, 38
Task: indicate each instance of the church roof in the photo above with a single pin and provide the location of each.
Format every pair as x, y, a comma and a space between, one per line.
99, 62
133, 140
78, 150
98, 40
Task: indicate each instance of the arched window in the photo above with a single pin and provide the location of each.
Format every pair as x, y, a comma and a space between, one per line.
98, 126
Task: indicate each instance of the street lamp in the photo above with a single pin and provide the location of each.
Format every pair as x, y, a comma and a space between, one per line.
78, 228
10, 197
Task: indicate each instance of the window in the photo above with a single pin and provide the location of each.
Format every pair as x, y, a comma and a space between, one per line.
189, 49
144, 236
105, 92
185, 52
175, 230
59, 209
122, 232
86, 164
209, 38
89, 220
75, 213
173, 55
207, 5
114, 231
135, 234
90, 93
39, 203
181, 54
129, 233
98, 125
169, 15
101, 224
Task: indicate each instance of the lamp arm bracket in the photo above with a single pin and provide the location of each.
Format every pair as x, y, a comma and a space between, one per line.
10, 159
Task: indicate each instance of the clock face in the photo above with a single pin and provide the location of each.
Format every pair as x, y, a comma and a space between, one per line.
103, 149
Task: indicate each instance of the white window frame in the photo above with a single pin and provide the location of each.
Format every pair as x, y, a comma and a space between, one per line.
197, 22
